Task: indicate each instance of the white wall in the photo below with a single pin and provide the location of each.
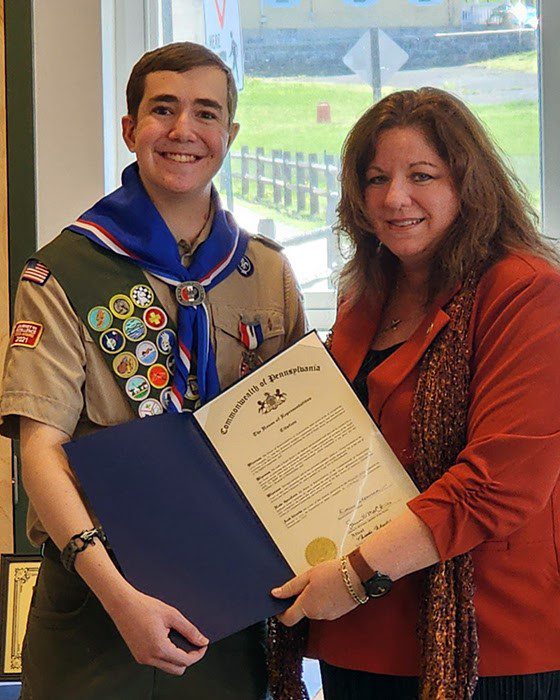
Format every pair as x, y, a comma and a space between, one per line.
68, 111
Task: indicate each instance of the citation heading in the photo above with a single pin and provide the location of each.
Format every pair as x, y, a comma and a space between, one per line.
263, 383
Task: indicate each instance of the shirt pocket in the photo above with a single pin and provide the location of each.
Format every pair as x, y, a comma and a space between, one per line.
228, 345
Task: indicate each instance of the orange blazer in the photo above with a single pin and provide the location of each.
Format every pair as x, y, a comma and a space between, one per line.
501, 499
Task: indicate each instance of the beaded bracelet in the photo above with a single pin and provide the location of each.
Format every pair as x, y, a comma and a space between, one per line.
348, 583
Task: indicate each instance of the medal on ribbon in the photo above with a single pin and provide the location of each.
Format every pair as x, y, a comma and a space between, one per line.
251, 335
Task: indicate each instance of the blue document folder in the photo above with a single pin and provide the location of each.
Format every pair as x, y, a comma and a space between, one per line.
178, 524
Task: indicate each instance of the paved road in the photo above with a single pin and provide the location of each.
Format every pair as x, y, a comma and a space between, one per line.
473, 84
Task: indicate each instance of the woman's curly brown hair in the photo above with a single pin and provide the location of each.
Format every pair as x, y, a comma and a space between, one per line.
495, 212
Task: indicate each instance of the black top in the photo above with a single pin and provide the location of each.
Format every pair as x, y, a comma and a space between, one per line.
372, 360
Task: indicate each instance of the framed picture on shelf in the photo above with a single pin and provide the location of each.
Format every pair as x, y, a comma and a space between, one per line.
18, 573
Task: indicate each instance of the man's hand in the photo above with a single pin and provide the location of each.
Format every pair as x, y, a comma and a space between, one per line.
145, 622
321, 594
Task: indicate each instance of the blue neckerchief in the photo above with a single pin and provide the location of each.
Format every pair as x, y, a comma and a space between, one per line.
127, 223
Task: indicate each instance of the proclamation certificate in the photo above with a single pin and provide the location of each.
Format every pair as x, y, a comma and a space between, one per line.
307, 455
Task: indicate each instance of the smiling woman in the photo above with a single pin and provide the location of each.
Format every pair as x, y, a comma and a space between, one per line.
448, 326
410, 197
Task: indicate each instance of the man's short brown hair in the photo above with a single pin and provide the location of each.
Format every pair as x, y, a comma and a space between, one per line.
180, 58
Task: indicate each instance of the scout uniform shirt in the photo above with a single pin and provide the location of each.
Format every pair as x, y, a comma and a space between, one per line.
55, 372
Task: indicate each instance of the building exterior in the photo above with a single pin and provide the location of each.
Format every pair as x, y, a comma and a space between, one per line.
311, 37
346, 14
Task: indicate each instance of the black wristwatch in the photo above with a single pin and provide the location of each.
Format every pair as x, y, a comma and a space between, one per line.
78, 543
375, 583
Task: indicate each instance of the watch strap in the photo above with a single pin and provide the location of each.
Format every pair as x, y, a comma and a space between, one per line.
374, 582
360, 565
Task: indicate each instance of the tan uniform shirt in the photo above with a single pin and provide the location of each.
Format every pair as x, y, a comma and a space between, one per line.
64, 381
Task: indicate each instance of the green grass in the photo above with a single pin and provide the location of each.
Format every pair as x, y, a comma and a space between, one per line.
281, 114
526, 62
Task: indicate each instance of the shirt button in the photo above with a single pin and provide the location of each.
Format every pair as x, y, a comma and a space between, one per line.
185, 259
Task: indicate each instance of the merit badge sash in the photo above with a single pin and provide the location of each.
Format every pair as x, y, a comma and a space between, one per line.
122, 314
127, 223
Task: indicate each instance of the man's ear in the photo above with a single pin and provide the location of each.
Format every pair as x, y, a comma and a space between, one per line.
234, 130
129, 132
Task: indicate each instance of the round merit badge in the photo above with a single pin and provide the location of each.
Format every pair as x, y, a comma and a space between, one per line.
192, 388
170, 364
319, 550
150, 407
158, 376
100, 318
245, 267
146, 352
137, 388
166, 340
165, 397
125, 365
134, 329
155, 318
142, 296
112, 341
121, 306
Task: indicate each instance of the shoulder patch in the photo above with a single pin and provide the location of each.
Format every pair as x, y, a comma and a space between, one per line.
245, 267
26, 334
36, 272
269, 242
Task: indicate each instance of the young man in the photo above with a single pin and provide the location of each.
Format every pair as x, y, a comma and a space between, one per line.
152, 300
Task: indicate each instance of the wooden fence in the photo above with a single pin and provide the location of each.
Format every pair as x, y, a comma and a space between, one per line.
294, 182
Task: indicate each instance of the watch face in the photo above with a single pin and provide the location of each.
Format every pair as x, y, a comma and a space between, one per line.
378, 585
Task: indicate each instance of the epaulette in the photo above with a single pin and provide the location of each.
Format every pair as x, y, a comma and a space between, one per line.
270, 242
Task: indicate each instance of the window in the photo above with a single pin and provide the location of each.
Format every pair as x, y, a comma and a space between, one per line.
299, 98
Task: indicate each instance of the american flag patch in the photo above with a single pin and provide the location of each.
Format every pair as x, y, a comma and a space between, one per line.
36, 272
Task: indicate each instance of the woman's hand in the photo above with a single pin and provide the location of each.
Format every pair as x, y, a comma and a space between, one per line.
321, 594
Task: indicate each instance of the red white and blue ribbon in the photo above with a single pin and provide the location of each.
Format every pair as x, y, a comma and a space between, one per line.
127, 223
251, 334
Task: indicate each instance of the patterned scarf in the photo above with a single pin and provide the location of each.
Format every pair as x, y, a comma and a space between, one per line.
447, 625
127, 223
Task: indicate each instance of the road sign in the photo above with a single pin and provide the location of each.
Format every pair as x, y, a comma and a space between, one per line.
223, 35
374, 58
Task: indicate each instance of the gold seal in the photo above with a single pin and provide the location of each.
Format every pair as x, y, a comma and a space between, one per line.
319, 550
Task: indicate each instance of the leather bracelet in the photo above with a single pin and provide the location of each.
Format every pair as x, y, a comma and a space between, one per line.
348, 583
78, 543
